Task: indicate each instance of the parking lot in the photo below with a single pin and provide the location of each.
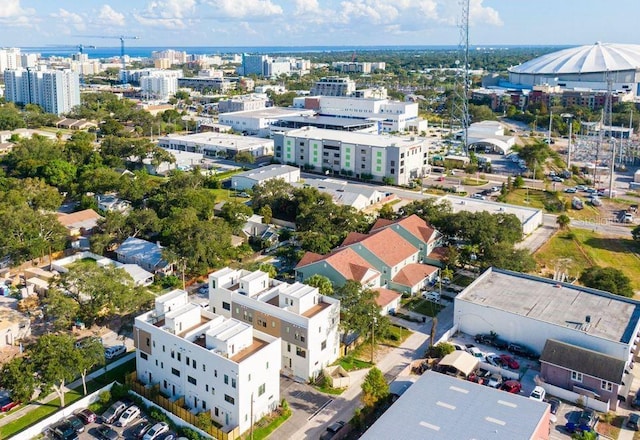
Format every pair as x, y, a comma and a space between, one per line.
97, 428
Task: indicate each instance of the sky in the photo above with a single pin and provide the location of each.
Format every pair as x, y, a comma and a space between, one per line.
37, 23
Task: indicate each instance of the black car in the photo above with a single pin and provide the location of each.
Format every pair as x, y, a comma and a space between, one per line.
525, 352
106, 433
635, 403
76, 423
633, 421
64, 431
500, 344
139, 430
332, 430
555, 404
484, 338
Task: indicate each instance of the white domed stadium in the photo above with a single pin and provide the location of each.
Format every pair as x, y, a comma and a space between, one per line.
584, 67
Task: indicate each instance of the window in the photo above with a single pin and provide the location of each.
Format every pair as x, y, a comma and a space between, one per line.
187, 359
226, 379
148, 342
204, 367
206, 387
607, 386
576, 376
229, 399
226, 305
175, 372
204, 404
267, 365
215, 373
156, 362
233, 383
323, 345
173, 354
144, 356
191, 380
193, 363
300, 352
179, 356
216, 412
261, 389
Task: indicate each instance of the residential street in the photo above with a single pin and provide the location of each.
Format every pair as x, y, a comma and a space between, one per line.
310, 420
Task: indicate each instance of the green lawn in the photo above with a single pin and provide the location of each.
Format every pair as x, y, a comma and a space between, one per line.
472, 181
329, 390
45, 410
536, 199
578, 249
262, 432
351, 363
396, 335
424, 307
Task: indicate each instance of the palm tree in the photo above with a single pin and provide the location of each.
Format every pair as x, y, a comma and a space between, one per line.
563, 221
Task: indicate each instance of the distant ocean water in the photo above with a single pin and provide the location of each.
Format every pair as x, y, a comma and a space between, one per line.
145, 52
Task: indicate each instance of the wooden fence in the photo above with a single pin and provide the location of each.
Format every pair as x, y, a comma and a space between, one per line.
176, 408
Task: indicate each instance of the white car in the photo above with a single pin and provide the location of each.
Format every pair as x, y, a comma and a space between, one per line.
156, 431
538, 393
131, 413
475, 352
492, 359
431, 296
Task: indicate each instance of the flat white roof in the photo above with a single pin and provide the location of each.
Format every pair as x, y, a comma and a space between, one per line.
253, 275
176, 293
612, 317
375, 140
298, 290
216, 139
269, 112
266, 173
458, 204
227, 329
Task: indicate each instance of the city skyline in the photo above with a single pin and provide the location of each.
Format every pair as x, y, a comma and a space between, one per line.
29, 23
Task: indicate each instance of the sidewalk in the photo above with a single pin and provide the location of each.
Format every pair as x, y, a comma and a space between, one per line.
76, 383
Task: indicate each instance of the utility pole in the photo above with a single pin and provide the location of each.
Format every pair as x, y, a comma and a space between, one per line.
373, 337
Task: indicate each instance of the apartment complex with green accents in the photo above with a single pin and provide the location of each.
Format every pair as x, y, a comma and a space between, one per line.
393, 159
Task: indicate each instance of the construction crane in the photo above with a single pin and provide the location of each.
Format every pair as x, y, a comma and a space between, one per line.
118, 37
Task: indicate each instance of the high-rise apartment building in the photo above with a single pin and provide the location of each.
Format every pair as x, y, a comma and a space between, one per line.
10, 58
334, 86
56, 91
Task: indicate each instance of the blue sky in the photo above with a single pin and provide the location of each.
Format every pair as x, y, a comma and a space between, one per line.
316, 22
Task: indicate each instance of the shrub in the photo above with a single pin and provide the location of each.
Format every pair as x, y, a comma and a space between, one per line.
169, 281
203, 421
104, 397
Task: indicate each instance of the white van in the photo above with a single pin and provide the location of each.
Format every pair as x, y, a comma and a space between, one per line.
115, 351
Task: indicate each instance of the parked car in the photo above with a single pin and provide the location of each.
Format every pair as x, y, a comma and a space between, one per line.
509, 362
632, 421
458, 347
570, 190
555, 405
500, 344
87, 416
431, 296
156, 431
493, 359
106, 433
7, 404
494, 381
557, 179
140, 429
64, 431
538, 393
484, 338
115, 351
76, 423
635, 403
578, 421
520, 350
204, 290
475, 352
479, 196
511, 386
113, 412
332, 430
129, 415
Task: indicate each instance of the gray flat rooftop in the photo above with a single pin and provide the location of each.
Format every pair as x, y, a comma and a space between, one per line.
376, 140
612, 317
477, 205
269, 112
265, 173
440, 407
215, 139
329, 120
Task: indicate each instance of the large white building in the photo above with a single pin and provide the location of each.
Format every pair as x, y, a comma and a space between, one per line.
334, 86
528, 310
217, 364
306, 321
250, 178
259, 122
10, 58
363, 155
161, 84
56, 91
253, 101
391, 116
211, 144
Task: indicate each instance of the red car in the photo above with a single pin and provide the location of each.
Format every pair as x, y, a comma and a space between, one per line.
87, 416
7, 404
509, 362
511, 386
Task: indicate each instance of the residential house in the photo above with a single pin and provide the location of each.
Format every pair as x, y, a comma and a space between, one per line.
392, 254
388, 300
585, 372
14, 326
306, 321
80, 223
255, 229
139, 276
110, 202
214, 364
145, 254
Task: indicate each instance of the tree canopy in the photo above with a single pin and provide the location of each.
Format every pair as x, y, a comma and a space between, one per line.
609, 279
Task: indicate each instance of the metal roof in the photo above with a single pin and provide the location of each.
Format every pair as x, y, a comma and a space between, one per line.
440, 407
598, 57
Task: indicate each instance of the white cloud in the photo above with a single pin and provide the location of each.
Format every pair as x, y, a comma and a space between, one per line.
244, 8
169, 14
109, 16
70, 19
303, 7
483, 14
12, 14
